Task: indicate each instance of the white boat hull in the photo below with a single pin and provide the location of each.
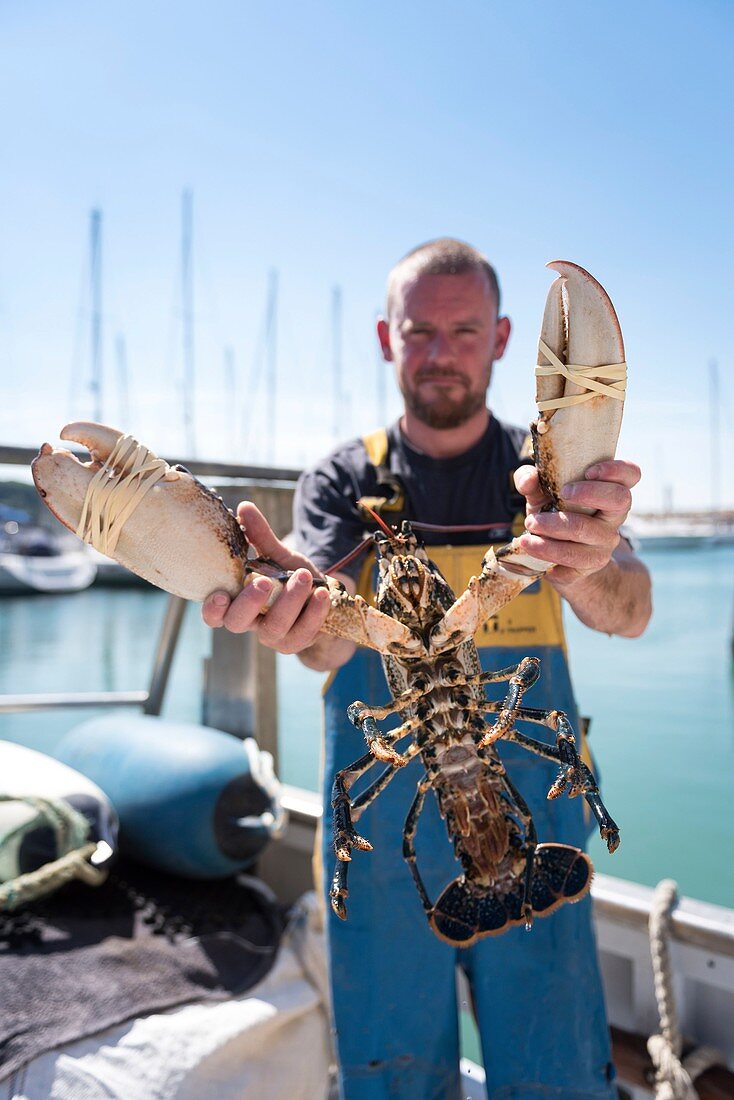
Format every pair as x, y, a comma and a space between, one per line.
66, 572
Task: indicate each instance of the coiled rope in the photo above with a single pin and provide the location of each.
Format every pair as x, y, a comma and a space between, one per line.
71, 830
674, 1077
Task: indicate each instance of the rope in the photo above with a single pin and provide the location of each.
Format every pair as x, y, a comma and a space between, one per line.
71, 830
589, 378
673, 1077
112, 496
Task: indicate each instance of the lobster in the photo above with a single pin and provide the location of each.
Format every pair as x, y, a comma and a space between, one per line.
508, 877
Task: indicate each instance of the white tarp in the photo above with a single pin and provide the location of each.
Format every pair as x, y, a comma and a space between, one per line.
272, 1042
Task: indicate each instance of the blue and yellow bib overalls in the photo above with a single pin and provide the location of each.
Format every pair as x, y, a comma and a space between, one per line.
537, 995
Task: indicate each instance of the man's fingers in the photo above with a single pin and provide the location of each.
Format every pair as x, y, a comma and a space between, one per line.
273, 627
624, 473
245, 608
264, 540
583, 558
290, 625
573, 527
528, 483
258, 530
605, 488
307, 626
607, 497
608, 487
214, 609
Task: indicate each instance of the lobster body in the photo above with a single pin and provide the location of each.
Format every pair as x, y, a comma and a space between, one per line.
507, 877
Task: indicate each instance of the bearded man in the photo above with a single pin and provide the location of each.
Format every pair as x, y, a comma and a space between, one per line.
448, 461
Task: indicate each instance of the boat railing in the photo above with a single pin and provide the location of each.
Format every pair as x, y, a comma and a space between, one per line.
150, 700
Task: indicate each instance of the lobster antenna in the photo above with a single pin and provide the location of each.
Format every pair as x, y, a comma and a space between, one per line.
379, 521
348, 558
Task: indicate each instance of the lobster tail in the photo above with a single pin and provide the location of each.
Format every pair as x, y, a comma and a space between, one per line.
465, 912
561, 873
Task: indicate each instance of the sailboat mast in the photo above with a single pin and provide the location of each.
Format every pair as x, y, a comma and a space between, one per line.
336, 353
95, 288
124, 393
187, 315
715, 439
271, 337
230, 399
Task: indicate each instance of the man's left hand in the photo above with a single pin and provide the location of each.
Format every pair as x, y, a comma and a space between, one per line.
576, 543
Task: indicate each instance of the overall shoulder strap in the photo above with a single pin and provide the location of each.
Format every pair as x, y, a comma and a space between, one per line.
377, 447
390, 498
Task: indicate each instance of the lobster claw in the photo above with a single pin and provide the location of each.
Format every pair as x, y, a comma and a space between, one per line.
580, 392
581, 333
99, 439
179, 536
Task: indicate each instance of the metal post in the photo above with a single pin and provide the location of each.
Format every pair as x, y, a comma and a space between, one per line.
240, 686
167, 640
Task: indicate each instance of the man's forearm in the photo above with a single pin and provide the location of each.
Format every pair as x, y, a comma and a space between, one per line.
327, 653
616, 600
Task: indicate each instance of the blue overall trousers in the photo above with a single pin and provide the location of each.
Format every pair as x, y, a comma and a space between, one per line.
537, 995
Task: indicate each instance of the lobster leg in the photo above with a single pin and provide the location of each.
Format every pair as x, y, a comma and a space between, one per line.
380, 744
422, 686
526, 675
363, 800
573, 772
411, 823
531, 843
345, 836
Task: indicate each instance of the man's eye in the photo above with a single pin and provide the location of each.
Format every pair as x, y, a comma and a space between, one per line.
465, 330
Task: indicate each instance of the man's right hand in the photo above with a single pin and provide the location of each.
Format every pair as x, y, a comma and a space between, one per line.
294, 622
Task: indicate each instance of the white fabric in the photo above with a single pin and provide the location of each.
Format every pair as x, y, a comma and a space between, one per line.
272, 1042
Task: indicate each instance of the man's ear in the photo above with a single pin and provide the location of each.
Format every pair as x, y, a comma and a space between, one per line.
383, 335
502, 335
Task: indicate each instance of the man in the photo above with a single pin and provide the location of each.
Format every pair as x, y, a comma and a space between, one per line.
537, 997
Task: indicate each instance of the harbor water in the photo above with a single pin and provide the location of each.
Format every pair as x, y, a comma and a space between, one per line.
662, 706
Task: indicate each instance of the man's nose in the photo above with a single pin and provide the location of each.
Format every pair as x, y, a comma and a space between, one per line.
442, 351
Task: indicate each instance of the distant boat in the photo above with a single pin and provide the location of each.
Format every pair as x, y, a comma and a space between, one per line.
35, 559
674, 531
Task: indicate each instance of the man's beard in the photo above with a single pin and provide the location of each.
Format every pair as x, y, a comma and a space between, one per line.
443, 412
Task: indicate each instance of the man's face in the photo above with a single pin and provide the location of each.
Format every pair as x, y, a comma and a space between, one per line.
443, 336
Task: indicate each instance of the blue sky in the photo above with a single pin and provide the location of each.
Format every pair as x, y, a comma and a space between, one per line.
323, 140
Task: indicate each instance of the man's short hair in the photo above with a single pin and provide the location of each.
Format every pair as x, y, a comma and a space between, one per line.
444, 256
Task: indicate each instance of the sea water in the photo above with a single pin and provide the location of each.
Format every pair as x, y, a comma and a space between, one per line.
662, 706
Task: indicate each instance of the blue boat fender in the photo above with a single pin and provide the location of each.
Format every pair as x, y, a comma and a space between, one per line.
192, 800
48, 810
